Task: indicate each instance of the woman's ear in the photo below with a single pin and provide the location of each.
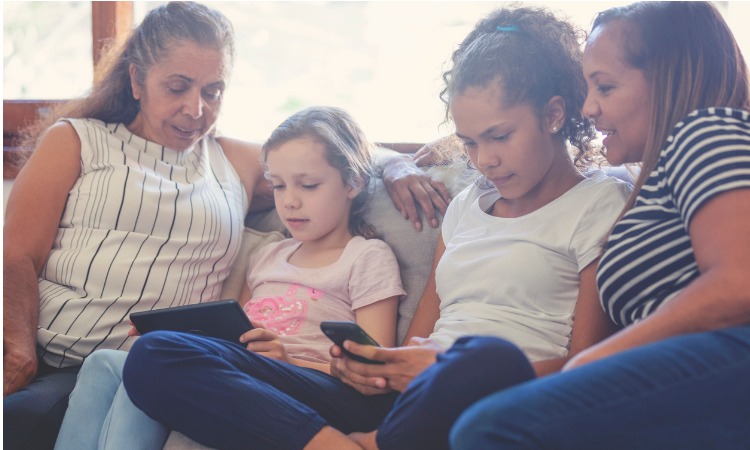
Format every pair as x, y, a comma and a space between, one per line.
554, 114
133, 83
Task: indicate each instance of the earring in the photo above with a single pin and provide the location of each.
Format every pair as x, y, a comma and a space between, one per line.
555, 130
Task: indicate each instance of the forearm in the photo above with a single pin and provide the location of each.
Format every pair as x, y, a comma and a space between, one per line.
20, 321
717, 299
20, 303
548, 366
423, 324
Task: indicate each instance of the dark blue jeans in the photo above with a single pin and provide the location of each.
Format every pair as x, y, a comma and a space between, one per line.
471, 369
33, 415
687, 392
224, 396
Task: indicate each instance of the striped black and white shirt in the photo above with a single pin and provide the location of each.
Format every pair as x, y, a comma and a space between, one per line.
649, 257
144, 227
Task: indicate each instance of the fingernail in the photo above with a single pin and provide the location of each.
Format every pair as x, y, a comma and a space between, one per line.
434, 223
418, 226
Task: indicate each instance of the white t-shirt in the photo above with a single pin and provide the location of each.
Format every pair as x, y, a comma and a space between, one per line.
291, 301
517, 278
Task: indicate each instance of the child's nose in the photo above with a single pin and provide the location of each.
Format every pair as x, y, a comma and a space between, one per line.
486, 157
291, 200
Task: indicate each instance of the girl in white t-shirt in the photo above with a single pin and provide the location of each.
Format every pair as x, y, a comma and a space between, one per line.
518, 253
318, 164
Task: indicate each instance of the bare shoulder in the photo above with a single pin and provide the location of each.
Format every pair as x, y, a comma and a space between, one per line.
56, 155
245, 158
239, 145
40, 192
61, 133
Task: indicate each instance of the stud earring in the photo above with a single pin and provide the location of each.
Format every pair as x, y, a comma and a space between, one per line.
555, 129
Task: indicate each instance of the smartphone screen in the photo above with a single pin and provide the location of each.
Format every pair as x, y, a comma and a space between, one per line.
338, 332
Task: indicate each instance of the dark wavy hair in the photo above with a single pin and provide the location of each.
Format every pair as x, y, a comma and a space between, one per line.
534, 56
347, 149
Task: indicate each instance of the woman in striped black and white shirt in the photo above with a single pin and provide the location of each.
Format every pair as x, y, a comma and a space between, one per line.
668, 87
128, 203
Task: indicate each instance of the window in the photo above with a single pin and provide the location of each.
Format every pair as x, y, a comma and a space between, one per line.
382, 61
43, 47
48, 53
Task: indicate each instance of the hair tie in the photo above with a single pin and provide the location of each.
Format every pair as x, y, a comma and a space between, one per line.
509, 28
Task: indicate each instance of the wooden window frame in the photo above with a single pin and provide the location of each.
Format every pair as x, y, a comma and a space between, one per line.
109, 19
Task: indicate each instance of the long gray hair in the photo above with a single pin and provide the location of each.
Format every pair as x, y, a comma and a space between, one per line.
111, 97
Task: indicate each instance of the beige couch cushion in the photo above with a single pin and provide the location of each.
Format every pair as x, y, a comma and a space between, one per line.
252, 240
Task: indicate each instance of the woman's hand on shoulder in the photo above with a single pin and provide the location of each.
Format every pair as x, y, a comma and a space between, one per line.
409, 186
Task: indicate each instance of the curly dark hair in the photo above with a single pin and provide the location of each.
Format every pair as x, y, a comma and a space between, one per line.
534, 56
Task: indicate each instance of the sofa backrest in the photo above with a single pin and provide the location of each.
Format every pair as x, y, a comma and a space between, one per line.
414, 250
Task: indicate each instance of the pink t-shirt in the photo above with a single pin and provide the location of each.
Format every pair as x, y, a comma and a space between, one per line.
291, 301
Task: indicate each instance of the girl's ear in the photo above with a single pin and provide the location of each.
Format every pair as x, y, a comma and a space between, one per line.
133, 84
554, 114
355, 187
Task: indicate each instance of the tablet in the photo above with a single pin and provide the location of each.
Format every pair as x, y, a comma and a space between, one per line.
222, 319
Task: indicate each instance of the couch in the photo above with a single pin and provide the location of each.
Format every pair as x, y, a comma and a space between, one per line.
414, 251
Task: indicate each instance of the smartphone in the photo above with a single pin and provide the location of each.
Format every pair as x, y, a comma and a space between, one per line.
338, 332
223, 319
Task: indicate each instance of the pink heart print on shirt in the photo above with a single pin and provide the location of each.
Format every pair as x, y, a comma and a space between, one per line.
283, 314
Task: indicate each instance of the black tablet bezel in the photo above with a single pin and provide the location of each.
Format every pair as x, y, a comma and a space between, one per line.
222, 319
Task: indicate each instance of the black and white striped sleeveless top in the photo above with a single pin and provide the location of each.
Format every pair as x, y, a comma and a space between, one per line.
145, 227
649, 257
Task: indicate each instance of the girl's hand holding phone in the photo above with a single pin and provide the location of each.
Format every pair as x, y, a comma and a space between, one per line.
402, 365
364, 385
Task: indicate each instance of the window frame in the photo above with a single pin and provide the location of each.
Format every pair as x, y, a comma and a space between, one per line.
109, 20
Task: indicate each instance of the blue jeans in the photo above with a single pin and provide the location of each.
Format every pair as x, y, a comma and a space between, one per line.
471, 369
687, 392
100, 413
32, 416
222, 395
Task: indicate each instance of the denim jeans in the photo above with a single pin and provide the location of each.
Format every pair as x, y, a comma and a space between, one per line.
100, 413
687, 392
222, 395
32, 416
471, 369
